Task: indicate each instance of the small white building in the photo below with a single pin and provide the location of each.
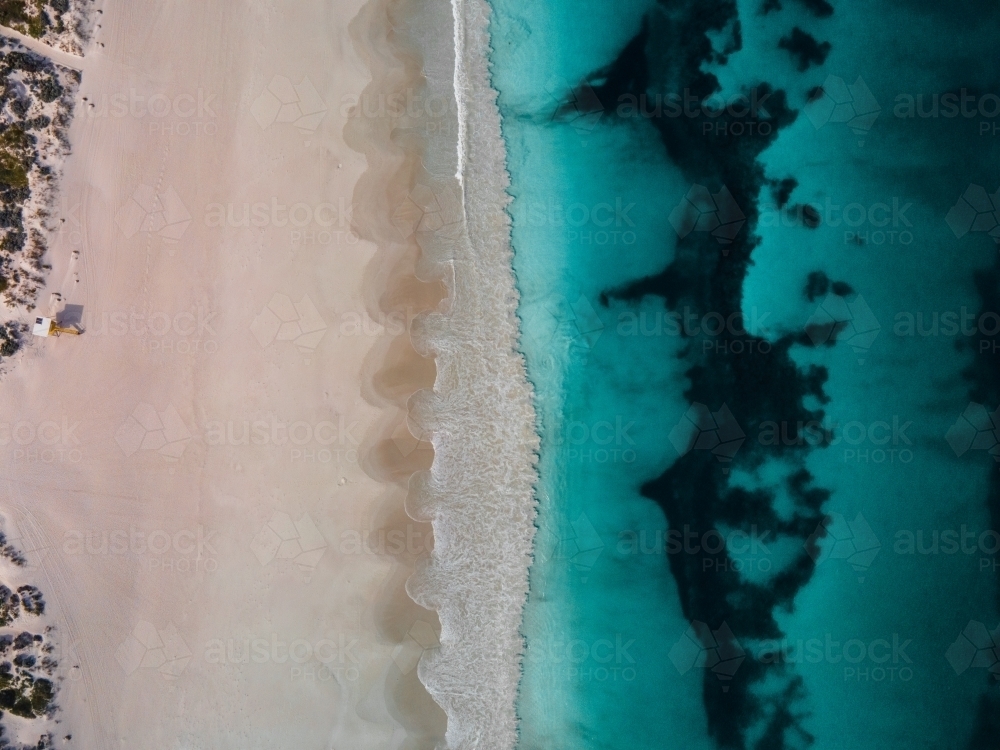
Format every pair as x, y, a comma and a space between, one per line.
49, 327
43, 327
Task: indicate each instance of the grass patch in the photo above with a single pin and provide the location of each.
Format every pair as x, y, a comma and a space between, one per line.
10, 342
16, 156
24, 695
10, 603
27, 16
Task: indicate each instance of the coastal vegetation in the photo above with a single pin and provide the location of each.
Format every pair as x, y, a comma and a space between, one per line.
35, 106
27, 657
34, 17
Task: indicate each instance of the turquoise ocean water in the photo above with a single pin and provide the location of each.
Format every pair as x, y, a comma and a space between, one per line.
758, 288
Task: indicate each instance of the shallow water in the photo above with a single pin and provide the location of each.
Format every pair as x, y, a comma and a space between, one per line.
739, 573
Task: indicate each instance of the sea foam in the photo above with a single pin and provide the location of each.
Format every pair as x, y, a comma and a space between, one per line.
479, 493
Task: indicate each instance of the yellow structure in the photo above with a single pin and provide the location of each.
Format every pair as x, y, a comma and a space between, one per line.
49, 327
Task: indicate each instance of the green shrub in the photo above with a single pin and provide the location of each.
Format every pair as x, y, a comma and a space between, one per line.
16, 15
49, 89
10, 342
16, 156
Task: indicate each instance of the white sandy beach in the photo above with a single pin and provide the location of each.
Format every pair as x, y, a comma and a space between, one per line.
186, 478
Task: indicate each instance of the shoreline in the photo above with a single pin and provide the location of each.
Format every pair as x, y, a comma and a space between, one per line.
446, 442
393, 370
449, 379
481, 490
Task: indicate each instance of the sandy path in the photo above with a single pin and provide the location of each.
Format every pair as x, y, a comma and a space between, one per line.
184, 477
